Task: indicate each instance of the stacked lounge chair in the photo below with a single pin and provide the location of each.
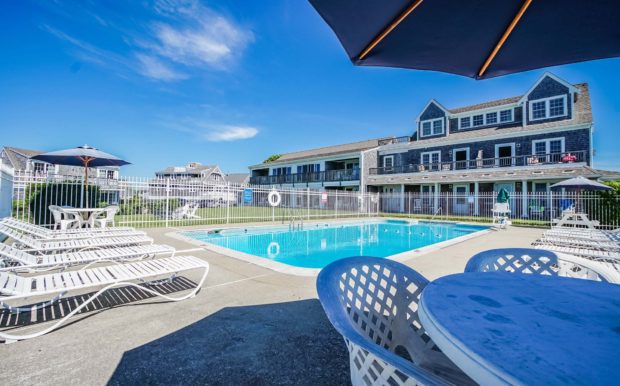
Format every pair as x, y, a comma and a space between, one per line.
593, 244
29, 242
23, 261
38, 249
80, 233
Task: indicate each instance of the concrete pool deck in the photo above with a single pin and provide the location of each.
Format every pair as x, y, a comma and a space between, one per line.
249, 325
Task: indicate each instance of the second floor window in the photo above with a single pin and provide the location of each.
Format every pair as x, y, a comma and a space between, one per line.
109, 174
388, 161
431, 157
39, 168
432, 127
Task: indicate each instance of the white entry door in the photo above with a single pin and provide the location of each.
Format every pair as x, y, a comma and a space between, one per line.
460, 201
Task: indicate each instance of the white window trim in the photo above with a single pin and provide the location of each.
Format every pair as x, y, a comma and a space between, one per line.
496, 118
470, 123
547, 144
484, 118
430, 157
547, 110
466, 149
443, 127
390, 157
512, 115
498, 145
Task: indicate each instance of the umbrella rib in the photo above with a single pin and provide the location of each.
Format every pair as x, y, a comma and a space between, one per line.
389, 29
507, 33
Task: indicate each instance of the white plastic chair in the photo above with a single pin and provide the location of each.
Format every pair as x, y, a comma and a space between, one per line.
540, 262
64, 220
373, 304
108, 217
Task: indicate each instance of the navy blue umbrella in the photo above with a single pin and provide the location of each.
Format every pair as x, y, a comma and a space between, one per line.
580, 183
85, 156
475, 38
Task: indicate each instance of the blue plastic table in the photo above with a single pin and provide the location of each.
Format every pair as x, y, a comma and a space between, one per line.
502, 328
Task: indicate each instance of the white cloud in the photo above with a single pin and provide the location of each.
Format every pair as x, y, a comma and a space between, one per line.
231, 133
202, 37
185, 36
152, 67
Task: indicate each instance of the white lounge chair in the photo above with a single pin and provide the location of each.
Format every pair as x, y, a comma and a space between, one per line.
593, 254
576, 242
16, 288
48, 234
47, 246
181, 212
192, 211
22, 261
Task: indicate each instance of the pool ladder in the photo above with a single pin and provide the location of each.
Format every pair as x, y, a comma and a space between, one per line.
296, 221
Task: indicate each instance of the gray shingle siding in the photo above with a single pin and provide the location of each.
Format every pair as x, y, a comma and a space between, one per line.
574, 140
432, 112
549, 87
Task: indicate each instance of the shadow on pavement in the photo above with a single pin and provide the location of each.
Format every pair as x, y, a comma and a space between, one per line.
289, 343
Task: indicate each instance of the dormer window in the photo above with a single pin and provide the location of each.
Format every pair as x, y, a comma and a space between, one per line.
478, 120
465, 122
552, 107
491, 118
485, 119
505, 116
432, 127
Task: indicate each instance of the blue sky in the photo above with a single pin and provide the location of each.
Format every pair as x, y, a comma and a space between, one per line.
162, 83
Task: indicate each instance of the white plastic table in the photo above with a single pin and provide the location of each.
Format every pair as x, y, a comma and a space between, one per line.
88, 214
502, 328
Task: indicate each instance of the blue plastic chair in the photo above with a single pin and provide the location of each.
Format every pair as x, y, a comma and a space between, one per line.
373, 302
522, 260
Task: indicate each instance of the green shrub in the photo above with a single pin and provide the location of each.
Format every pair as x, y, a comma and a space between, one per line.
61, 194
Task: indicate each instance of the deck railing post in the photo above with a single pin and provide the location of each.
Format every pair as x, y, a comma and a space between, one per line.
308, 202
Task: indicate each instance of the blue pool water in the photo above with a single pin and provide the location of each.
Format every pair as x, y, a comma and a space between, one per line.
320, 244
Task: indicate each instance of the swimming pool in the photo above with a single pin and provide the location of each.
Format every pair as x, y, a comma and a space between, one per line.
317, 245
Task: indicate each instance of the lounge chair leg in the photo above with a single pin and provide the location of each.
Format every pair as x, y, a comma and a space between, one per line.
9, 338
40, 306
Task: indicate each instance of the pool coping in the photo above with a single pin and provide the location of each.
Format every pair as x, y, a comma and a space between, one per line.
310, 272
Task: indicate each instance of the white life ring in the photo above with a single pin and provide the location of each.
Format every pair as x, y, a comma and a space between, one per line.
274, 198
273, 250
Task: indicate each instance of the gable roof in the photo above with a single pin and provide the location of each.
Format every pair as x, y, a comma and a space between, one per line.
582, 115
430, 102
17, 157
238, 178
571, 88
486, 105
198, 168
327, 151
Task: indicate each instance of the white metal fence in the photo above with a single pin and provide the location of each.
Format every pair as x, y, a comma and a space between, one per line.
155, 202
525, 208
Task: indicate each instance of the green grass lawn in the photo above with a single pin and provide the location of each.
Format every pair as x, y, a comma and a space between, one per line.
235, 215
